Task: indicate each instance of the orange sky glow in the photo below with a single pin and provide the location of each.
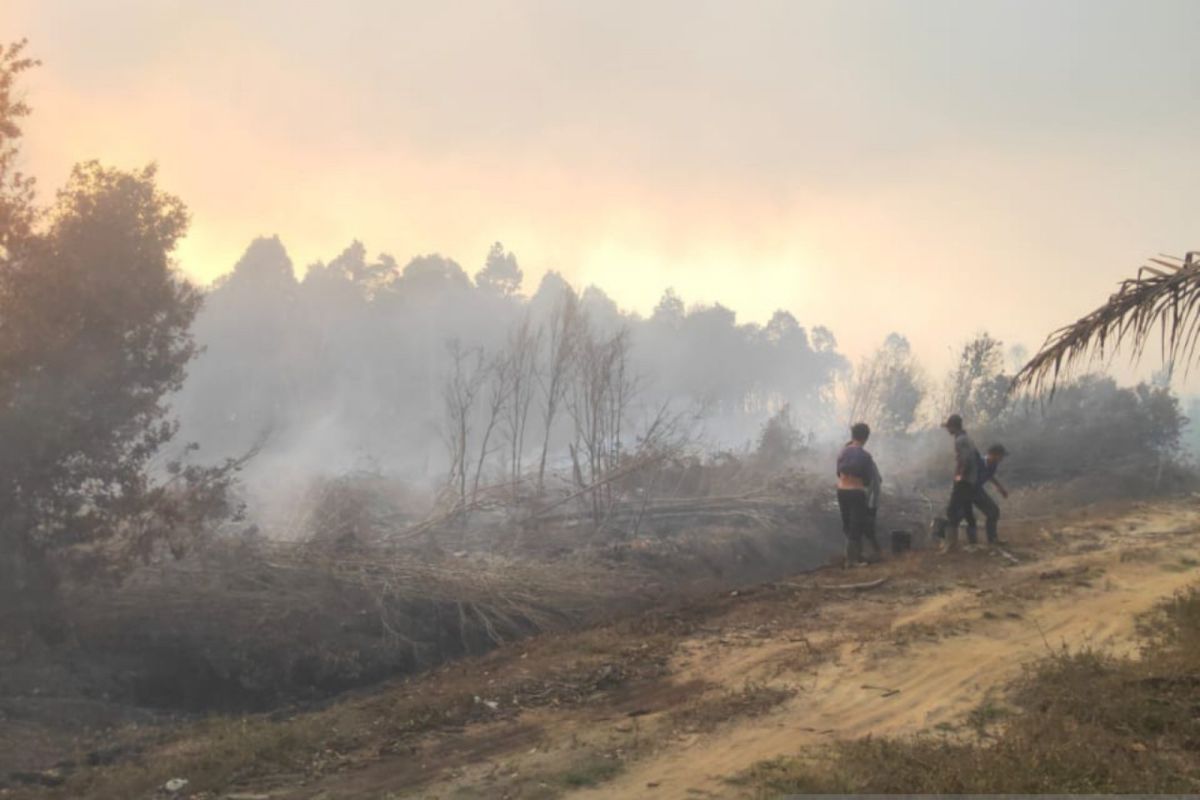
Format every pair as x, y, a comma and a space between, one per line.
947, 167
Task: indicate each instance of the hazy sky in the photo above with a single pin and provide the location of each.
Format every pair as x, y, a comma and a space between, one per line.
951, 165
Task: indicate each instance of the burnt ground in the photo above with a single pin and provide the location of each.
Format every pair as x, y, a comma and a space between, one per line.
677, 701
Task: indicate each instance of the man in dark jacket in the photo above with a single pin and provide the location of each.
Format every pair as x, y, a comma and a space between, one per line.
966, 477
987, 466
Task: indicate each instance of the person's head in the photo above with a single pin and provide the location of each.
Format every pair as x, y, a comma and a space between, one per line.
996, 453
860, 432
953, 424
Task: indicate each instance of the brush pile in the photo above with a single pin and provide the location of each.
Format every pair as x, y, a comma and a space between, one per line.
249, 623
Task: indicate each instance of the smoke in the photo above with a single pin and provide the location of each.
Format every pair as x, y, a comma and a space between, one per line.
348, 368
423, 374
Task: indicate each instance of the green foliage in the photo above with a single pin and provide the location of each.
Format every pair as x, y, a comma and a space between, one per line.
17, 211
1092, 427
94, 335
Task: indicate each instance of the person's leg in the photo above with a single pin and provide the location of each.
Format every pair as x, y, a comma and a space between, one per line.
991, 511
950, 528
937, 528
972, 525
953, 517
869, 531
957, 510
852, 505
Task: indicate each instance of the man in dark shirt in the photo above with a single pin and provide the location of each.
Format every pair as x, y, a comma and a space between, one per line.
858, 494
966, 477
987, 466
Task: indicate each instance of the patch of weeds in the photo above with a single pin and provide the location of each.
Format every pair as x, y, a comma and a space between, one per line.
788, 776
219, 753
1140, 554
916, 632
987, 714
752, 700
591, 771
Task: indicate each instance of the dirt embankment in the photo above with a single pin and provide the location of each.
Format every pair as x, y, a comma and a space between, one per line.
677, 704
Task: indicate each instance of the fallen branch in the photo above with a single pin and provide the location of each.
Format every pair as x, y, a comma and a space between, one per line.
858, 587
617, 475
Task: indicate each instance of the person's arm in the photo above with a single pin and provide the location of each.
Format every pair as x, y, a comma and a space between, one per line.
875, 486
1000, 486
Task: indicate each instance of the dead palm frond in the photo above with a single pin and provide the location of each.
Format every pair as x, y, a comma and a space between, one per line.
1162, 302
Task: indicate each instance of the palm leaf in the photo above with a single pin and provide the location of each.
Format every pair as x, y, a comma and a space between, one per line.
1162, 299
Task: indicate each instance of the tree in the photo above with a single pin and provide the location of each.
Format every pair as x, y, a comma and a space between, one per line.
823, 340
669, 311
1128, 433
598, 402
17, 211
94, 336
780, 440
460, 390
352, 269
431, 276
524, 347
1162, 299
977, 386
902, 387
562, 343
264, 269
887, 388
499, 378
253, 333
500, 274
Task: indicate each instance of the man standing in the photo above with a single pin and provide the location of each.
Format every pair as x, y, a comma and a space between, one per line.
966, 478
858, 494
987, 466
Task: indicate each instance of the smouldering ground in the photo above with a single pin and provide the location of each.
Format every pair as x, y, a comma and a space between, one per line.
674, 704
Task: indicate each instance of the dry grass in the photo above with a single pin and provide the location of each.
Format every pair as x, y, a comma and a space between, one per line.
245, 624
220, 753
709, 713
598, 668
